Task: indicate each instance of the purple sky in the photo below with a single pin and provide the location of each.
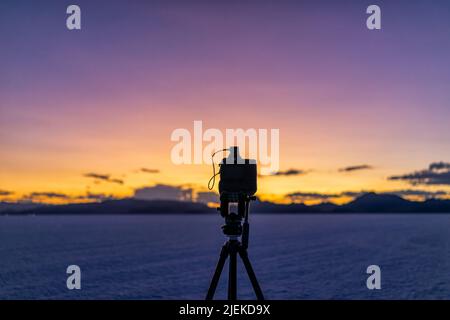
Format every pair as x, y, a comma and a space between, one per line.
70, 101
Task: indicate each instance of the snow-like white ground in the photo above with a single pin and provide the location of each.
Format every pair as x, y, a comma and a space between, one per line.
173, 257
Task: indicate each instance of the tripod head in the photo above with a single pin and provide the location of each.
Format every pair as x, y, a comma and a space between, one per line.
233, 227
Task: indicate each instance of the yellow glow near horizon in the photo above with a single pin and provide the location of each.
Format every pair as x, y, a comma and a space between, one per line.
270, 188
57, 163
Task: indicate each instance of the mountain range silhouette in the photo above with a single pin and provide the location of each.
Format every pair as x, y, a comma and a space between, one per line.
367, 203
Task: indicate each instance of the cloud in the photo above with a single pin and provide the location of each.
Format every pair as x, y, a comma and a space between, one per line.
356, 168
289, 172
439, 166
302, 196
164, 192
406, 193
97, 176
438, 173
419, 193
147, 170
5, 192
49, 196
43, 197
103, 177
119, 181
53, 195
97, 197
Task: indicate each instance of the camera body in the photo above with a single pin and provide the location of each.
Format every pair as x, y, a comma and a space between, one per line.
237, 175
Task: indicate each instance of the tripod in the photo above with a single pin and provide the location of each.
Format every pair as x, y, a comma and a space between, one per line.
233, 229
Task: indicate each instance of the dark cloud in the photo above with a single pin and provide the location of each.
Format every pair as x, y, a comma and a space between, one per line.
96, 197
301, 196
419, 193
103, 177
290, 172
436, 166
5, 192
54, 195
438, 173
119, 181
164, 192
97, 176
147, 170
423, 194
356, 168
43, 196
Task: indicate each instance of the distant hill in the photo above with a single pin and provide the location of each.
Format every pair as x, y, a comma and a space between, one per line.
17, 206
367, 203
125, 206
372, 202
379, 203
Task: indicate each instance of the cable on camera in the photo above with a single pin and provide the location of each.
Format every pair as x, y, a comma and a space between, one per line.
213, 178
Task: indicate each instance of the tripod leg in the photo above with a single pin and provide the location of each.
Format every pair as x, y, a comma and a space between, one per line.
251, 273
232, 274
215, 279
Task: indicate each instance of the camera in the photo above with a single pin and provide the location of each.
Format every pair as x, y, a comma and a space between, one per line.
237, 176
237, 186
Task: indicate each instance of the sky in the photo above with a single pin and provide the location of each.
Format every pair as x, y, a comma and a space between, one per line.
83, 112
